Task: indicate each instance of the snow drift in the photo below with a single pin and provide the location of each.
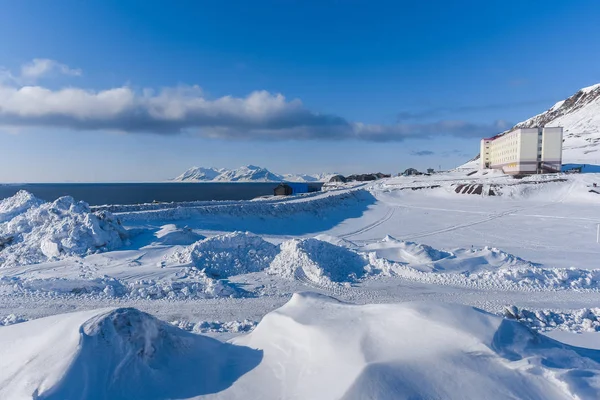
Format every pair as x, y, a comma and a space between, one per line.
318, 348
170, 235
318, 262
408, 252
226, 255
118, 354
33, 231
314, 347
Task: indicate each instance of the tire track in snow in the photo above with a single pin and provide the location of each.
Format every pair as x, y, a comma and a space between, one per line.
460, 226
372, 225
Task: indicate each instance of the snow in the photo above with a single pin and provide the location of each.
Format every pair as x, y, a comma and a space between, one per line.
408, 252
115, 354
249, 173
199, 174
318, 348
230, 254
170, 234
579, 116
314, 347
408, 258
318, 262
590, 89
35, 231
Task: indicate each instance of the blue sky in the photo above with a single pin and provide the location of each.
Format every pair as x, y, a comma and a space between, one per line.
142, 90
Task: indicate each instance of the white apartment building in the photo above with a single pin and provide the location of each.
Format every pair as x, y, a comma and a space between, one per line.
524, 151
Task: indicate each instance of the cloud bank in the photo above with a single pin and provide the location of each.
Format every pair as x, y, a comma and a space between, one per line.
258, 116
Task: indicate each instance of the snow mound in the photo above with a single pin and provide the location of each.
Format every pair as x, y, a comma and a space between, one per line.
119, 354
22, 201
39, 232
171, 235
318, 262
408, 252
332, 350
227, 255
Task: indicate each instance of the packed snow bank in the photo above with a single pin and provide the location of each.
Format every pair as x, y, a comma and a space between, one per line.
318, 262
119, 354
33, 231
318, 348
226, 255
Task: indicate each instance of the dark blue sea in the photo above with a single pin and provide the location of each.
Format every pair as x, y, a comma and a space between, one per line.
136, 193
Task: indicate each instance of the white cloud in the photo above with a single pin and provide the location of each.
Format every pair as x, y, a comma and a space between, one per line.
40, 67
259, 115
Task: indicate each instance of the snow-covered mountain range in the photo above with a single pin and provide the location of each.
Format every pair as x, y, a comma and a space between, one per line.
249, 173
579, 115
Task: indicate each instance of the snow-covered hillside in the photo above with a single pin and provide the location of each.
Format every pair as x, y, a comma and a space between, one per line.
249, 173
579, 115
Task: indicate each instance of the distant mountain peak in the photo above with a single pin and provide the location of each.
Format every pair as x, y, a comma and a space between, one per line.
248, 173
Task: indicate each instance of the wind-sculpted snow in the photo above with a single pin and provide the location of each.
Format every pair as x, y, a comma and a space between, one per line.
314, 347
406, 252
226, 255
318, 262
35, 232
318, 348
119, 354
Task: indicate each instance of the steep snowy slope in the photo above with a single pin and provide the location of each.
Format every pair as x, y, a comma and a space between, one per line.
579, 115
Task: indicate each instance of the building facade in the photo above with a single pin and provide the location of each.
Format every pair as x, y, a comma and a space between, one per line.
524, 151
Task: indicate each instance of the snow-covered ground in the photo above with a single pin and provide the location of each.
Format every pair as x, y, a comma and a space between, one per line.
409, 258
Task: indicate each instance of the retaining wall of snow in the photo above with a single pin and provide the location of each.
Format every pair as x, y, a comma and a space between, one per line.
315, 204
